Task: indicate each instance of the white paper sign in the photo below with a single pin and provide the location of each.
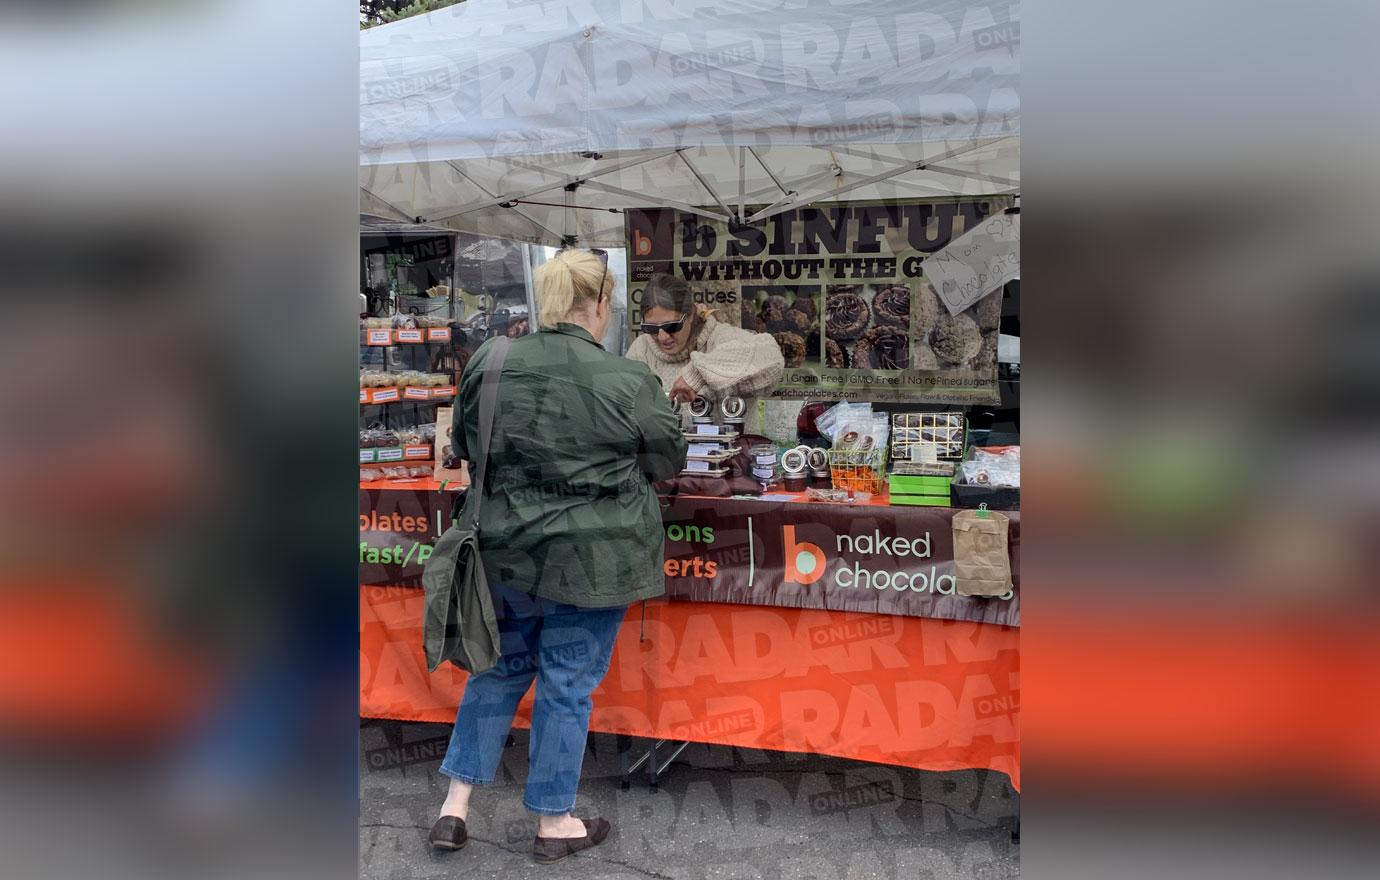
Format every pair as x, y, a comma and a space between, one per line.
1008, 349
976, 263
704, 449
706, 429
697, 465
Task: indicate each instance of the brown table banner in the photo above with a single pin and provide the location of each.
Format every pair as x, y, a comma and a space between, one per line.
874, 558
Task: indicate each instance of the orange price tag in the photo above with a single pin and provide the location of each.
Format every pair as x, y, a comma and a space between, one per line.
409, 335
380, 337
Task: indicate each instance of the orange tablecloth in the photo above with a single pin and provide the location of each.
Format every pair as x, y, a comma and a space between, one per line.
915, 692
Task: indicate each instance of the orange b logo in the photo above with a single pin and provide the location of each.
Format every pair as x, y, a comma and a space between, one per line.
642, 245
804, 561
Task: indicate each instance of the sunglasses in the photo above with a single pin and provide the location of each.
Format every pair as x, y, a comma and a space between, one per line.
671, 327
603, 256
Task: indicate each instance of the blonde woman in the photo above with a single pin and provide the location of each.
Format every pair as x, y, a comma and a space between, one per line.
570, 536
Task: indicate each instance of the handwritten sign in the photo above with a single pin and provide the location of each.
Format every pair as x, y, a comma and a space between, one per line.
977, 263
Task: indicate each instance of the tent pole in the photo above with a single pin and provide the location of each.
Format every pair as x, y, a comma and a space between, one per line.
894, 171
568, 217
770, 173
893, 160
772, 211
387, 204
704, 183
660, 200
579, 178
804, 181
742, 183
988, 178
498, 200
515, 209
930, 188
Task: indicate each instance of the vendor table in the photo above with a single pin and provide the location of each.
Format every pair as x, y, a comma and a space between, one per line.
794, 663
915, 692
778, 551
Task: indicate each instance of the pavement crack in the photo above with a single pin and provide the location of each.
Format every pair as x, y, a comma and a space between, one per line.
496, 845
643, 871
386, 825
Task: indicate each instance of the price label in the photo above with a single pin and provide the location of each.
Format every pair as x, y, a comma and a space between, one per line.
385, 395
380, 337
366, 456
438, 334
413, 392
410, 335
393, 454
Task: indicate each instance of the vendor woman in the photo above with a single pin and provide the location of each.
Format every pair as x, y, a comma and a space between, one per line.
697, 355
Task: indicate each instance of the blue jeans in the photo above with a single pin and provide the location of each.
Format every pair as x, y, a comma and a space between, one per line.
566, 649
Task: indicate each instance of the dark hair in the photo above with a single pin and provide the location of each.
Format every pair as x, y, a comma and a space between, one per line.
668, 292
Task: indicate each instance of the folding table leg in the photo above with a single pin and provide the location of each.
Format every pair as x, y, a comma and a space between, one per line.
652, 772
632, 768
623, 745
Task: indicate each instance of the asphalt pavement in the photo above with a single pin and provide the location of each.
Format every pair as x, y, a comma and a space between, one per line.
718, 813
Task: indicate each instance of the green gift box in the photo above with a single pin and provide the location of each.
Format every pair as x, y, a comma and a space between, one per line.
918, 491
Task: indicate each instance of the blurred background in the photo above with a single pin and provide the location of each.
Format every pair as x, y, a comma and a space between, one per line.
177, 585
1201, 372
177, 591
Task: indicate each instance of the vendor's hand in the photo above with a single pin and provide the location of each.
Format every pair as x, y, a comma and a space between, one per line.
681, 392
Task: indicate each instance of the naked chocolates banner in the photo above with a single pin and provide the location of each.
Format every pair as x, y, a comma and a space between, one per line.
842, 290
880, 559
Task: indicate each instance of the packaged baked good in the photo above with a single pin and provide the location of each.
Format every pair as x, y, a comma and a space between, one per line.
373, 438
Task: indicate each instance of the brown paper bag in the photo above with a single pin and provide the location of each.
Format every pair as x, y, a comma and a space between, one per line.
982, 565
459, 477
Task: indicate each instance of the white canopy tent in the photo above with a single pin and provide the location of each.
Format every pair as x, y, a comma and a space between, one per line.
539, 121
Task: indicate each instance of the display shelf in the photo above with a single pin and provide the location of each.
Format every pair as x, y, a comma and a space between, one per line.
380, 337
396, 454
418, 483
405, 394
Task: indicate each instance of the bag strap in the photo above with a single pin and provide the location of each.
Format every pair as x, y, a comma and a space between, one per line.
488, 401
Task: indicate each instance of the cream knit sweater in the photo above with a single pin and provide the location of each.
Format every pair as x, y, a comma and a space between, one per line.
723, 360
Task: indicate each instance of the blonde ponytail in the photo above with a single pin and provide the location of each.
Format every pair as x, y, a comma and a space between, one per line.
565, 285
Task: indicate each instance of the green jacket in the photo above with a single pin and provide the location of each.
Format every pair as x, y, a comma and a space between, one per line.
579, 436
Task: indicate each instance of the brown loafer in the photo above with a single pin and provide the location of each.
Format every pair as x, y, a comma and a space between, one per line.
553, 849
449, 833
